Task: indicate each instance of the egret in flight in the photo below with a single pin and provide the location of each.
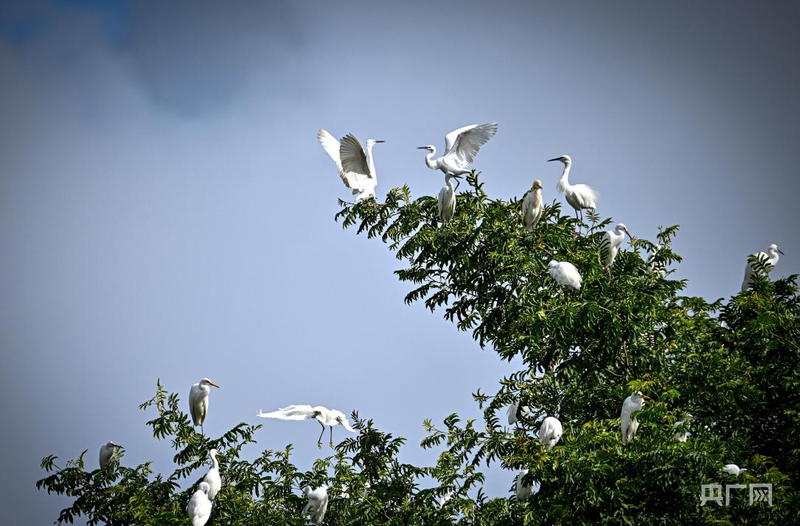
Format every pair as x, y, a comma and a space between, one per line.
579, 196
198, 401
212, 478
772, 260
630, 425
522, 490
732, 469
199, 507
532, 206
550, 432
612, 240
565, 274
461, 147
107, 453
447, 198
317, 503
323, 415
355, 165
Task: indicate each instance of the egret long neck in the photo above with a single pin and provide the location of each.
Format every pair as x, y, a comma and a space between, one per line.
370, 161
433, 165
214, 461
449, 181
563, 183
537, 197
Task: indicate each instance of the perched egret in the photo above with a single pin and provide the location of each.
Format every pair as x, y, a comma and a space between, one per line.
772, 260
355, 165
325, 417
550, 432
447, 198
681, 433
107, 453
633, 403
579, 196
565, 274
522, 490
317, 503
212, 478
461, 147
199, 507
198, 401
515, 411
732, 469
612, 240
532, 206
444, 499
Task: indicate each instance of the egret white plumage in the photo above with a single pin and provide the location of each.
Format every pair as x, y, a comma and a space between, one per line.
325, 417
212, 478
772, 260
565, 274
515, 411
732, 469
447, 198
461, 147
198, 401
199, 507
629, 424
612, 240
522, 490
681, 433
532, 206
356, 165
550, 432
107, 451
579, 196
317, 503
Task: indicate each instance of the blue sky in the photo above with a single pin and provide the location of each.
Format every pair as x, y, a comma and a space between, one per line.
166, 211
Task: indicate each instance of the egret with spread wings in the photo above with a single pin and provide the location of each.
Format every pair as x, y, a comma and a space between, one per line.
325, 417
355, 165
461, 147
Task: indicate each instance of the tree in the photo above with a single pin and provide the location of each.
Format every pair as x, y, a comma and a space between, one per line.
733, 366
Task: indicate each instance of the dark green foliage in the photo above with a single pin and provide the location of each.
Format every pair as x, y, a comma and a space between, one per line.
734, 366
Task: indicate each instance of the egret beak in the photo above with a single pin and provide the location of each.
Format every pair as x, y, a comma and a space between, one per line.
629, 235
212, 383
379, 141
646, 397
781, 251
422, 147
556, 159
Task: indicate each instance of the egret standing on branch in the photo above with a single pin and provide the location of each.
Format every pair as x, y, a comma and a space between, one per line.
199, 507
198, 401
107, 453
522, 490
212, 478
515, 411
579, 196
630, 425
325, 417
732, 469
317, 503
565, 274
447, 198
550, 432
772, 260
612, 240
532, 206
355, 165
461, 147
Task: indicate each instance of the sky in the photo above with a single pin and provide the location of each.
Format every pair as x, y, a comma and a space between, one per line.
167, 213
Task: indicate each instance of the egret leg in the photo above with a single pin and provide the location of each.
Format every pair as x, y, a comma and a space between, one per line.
331, 428
202, 432
319, 442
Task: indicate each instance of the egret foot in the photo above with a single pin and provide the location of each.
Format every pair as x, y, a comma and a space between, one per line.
331, 444
319, 444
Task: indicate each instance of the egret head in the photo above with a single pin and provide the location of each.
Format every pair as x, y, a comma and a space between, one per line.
566, 159
537, 184
204, 487
213, 453
373, 142
774, 248
429, 147
622, 229
553, 264
206, 381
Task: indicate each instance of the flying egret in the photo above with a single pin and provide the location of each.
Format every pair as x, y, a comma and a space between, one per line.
550, 432
772, 260
565, 274
355, 165
681, 433
612, 240
447, 198
317, 503
532, 206
461, 147
107, 453
732, 469
579, 196
633, 403
325, 417
212, 478
515, 411
198, 401
522, 490
199, 507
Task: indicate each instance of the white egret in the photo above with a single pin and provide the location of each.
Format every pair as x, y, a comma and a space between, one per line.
461, 147
732, 469
565, 274
630, 425
612, 240
579, 196
681, 433
522, 490
447, 198
212, 478
198, 401
550, 432
356, 166
199, 507
325, 417
772, 260
515, 411
532, 206
317, 503
444, 499
107, 453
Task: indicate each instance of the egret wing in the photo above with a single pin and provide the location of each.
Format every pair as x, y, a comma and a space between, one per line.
292, 412
465, 142
195, 395
343, 420
352, 156
331, 146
